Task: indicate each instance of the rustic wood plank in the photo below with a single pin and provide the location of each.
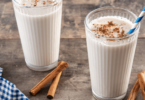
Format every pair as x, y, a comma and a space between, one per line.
73, 11
75, 80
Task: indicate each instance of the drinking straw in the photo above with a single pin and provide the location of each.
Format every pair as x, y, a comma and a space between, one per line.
137, 21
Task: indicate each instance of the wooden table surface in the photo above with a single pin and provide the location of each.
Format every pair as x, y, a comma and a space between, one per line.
75, 81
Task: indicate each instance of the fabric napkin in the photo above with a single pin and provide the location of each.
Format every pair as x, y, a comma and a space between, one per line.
8, 90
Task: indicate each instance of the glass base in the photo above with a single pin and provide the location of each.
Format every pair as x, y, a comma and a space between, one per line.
41, 68
104, 98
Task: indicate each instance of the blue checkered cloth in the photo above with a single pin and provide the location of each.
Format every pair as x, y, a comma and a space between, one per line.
8, 90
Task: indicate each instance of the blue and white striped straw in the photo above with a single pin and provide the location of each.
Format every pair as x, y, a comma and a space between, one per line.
1, 70
137, 21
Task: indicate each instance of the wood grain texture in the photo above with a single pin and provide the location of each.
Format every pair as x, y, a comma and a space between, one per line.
75, 80
74, 13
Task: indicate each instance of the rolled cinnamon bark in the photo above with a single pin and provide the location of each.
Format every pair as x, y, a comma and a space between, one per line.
61, 66
141, 77
134, 91
52, 89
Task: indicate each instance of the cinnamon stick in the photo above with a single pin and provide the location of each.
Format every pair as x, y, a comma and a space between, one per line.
141, 77
52, 89
61, 66
134, 91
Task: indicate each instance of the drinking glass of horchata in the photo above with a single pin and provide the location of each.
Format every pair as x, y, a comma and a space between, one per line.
110, 51
39, 24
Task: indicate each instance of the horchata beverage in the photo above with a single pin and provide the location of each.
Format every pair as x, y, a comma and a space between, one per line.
39, 24
110, 51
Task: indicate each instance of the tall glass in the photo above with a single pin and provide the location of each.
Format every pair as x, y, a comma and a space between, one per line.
110, 62
39, 30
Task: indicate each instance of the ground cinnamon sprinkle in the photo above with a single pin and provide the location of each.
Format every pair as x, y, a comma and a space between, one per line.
109, 30
55, 4
122, 34
97, 37
103, 29
34, 3
50, 2
44, 2
110, 23
116, 30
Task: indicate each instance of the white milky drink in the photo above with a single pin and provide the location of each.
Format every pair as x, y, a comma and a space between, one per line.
110, 53
109, 63
39, 24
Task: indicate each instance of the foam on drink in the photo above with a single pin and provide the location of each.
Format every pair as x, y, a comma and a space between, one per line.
111, 26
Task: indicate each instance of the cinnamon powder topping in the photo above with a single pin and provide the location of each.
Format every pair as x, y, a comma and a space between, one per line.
110, 30
50, 2
116, 30
110, 23
42, 2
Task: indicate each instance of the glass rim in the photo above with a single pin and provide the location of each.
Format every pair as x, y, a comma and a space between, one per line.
33, 6
138, 27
